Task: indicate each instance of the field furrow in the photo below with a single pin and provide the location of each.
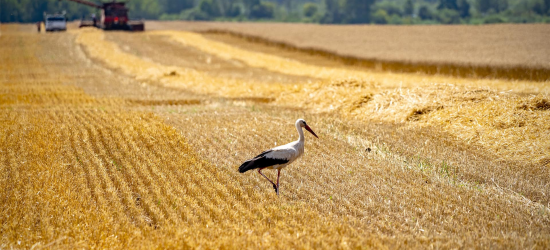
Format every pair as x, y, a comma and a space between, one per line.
126, 164
93, 165
107, 162
103, 169
147, 161
74, 138
123, 183
144, 172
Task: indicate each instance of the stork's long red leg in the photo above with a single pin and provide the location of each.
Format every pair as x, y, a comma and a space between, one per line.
278, 175
274, 186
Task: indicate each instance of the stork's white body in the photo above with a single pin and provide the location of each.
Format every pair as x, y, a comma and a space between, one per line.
289, 152
279, 157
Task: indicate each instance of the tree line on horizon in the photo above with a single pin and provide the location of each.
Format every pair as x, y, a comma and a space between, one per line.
310, 11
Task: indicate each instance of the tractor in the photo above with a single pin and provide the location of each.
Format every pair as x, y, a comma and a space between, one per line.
114, 16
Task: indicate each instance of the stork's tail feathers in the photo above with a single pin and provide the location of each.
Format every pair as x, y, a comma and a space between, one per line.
247, 165
261, 161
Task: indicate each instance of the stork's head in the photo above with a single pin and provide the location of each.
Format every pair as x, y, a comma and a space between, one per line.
302, 123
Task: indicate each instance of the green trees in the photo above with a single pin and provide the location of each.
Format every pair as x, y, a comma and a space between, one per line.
176, 6
463, 8
485, 6
263, 10
358, 11
541, 7
256, 9
323, 11
408, 9
209, 8
447, 4
32, 10
149, 9
381, 17
424, 13
450, 9
310, 9
333, 12
448, 16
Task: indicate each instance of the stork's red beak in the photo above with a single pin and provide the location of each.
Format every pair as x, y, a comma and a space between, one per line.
311, 131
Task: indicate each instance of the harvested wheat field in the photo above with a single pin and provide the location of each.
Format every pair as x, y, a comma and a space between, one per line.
132, 140
508, 51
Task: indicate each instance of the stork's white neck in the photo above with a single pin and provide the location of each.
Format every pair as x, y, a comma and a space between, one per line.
301, 132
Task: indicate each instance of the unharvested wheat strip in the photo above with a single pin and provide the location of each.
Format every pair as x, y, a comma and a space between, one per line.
107, 189
154, 185
151, 208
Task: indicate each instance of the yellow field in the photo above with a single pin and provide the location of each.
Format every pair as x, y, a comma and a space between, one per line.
511, 51
133, 140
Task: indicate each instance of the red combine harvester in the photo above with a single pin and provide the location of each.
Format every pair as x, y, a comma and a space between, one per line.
114, 16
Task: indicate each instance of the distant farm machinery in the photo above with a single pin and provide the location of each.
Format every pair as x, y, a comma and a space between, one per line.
114, 16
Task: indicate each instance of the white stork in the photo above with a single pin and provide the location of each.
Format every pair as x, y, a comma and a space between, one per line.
279, 157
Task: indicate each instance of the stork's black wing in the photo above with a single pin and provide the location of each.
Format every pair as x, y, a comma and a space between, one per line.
261, 161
